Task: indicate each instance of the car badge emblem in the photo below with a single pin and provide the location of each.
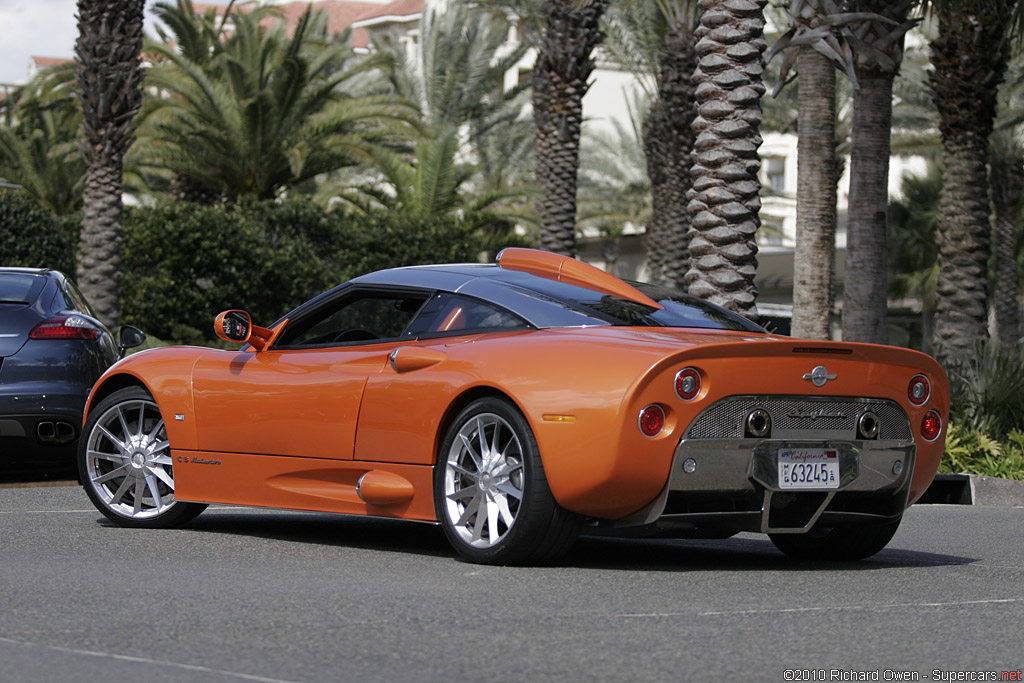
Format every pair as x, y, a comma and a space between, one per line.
812, 415
819, 376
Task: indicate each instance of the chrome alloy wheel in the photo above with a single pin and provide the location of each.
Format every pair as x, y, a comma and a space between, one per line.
483, 480
128, 460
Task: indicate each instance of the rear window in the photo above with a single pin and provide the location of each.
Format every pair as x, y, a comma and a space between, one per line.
681, 310
20, 288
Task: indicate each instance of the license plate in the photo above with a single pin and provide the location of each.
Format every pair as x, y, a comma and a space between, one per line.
809, 468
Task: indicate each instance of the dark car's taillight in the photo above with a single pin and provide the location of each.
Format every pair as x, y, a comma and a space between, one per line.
66, 327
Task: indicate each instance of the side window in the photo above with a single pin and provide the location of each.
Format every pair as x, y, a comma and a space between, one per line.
78, 298
361, 316
455, 314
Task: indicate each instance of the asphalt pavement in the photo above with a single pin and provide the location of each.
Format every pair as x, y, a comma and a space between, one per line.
262, 595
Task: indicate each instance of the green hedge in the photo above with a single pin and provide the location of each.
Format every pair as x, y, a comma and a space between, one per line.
31, 236
185, 263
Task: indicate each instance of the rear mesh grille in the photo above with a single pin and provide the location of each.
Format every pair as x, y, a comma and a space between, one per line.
725, 419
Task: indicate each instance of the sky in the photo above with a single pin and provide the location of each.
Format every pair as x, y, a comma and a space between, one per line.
46, 28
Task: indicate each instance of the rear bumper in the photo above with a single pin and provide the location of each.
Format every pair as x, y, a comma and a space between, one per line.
40, 429
723, 486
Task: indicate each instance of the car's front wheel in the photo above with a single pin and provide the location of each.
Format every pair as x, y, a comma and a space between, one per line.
840, 543
125, 464
490, 491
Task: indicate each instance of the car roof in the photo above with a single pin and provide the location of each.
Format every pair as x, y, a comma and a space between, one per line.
26, 271
543, 300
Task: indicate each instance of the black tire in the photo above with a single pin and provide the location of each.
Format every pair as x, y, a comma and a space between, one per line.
838, 544
125, 465
504, 478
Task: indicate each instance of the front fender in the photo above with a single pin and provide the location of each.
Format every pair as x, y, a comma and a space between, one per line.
166, 373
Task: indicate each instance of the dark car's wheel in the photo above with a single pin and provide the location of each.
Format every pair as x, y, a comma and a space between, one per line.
125, 463
491, 494
841, 543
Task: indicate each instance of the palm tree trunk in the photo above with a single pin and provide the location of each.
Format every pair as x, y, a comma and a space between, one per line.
724, 200
560, 79
865, 295
1007, 164
815, 196
99, 242
969, 57
668, 147
876, 62
110, 80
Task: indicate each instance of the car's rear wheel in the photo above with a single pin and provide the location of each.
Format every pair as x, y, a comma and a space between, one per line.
125, 463
490, 491
840, 543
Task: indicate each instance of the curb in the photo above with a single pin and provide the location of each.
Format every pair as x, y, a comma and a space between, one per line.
974, 489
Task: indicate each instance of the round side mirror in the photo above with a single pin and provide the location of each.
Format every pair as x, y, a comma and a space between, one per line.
233, 326
131, 337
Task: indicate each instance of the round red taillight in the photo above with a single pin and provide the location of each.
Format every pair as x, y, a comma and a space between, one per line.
931, 425
688, 383
919, 390
652, 420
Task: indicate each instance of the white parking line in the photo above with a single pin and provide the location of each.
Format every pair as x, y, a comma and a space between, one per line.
833, 608
143, 660
41, 512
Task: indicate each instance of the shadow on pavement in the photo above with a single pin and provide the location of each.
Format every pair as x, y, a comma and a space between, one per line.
740, 553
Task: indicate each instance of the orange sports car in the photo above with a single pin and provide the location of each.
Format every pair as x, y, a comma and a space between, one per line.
518, 404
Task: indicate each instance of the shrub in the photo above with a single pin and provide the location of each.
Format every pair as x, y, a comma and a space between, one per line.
987, 391
184, 263
973, 452
31, 236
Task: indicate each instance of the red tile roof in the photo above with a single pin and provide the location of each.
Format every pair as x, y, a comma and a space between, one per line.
47, 62
340, 13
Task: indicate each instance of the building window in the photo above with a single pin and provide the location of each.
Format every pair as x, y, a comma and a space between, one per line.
771, 233
776, 172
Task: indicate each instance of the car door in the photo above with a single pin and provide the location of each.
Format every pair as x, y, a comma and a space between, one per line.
403, 404
301, 397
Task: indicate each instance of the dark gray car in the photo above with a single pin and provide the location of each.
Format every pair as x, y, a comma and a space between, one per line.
52, 349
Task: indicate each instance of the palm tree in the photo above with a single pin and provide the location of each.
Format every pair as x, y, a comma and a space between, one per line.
815, 45
969, 57
457, 73
264, 112
877, 52
654, 39
431, 184
456, 77
109, 77
39, 143
724, 199
560, 79
816, 193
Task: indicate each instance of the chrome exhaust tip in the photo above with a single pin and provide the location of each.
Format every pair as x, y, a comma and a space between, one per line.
867, 425
759, 423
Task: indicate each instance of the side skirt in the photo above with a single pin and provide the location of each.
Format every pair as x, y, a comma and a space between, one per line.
314, 484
